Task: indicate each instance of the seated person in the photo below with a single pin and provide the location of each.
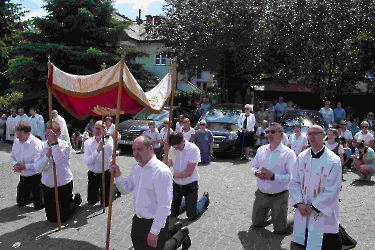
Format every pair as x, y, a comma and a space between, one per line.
365, 161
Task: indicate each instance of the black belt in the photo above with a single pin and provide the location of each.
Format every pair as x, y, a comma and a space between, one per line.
273, 195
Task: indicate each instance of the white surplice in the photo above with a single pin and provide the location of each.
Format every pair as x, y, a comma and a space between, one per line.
37, 126
316, 181
11, 127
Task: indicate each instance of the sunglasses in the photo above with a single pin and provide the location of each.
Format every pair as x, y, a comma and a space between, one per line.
166, 122
364, 126
53, 113
343, 124
272, 132
202, 124
370, 115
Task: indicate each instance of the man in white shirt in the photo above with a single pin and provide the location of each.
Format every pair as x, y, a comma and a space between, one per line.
36, 122
11, 125
314, 191
152, 181
61, 121
344, 132
25, 150
93, 158
58, 151
272, 165
185, 156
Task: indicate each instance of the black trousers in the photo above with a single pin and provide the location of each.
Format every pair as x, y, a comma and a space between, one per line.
66, 202
190, 191
29, 189
94, 187
140, 230
330, 241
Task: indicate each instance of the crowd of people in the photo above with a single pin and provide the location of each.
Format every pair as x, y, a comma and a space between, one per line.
305, 171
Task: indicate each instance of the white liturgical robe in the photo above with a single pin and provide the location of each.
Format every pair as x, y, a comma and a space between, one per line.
37, 126
11, 127
316, 181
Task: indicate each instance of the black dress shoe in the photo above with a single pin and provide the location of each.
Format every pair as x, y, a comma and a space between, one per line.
186, 241
177, 226
207, 201
77, 199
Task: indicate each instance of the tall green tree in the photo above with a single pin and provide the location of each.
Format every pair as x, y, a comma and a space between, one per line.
78, 35
219, 36
11, 29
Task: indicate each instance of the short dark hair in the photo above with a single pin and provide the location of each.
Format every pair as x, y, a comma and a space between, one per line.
32, 108
360, 144
176, 138
297, 125
23, 126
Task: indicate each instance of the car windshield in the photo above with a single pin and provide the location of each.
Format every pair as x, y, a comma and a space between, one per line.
228, 116
306, 118
214, 126
145, 114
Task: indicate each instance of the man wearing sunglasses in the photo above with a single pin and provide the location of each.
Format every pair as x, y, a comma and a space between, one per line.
314, 191
370, 119
272, 165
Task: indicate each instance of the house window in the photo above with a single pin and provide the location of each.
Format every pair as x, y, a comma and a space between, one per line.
160, 60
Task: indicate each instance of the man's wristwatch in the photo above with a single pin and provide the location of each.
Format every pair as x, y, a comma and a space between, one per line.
54, 143
273, 177
106, 137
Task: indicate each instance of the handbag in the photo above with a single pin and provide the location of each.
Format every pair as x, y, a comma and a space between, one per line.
346, 241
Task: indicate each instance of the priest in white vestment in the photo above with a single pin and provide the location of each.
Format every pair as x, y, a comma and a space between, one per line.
11, 125
314, 191
37, 125
22, 116
64, 128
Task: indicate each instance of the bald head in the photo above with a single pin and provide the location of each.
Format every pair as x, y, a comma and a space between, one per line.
316, 137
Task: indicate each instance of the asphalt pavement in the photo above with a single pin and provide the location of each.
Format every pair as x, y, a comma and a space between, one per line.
225, 225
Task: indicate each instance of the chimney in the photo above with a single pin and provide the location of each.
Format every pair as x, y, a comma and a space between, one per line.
139, 20
149, 21
156, 20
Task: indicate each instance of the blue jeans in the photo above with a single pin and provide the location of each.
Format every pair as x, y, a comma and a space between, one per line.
186, 196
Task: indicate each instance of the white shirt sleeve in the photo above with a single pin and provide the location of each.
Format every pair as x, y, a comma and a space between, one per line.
341, 150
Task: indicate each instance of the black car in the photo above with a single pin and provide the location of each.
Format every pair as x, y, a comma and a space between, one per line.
307, 118
222, 122
131, 129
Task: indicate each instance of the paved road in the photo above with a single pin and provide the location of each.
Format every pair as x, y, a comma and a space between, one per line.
225, 225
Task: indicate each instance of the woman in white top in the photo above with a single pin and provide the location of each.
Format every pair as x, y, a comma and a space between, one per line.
153, 133
364, 135
333, 143
180, 123
187, 130
297, 141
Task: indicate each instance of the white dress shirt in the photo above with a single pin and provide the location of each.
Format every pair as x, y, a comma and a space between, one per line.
280, 161
285, 140
181, 159
153, 191
26, 153
179, 126
93, 158
332, 146
250, 122
61, 156
63, 127
155, 136
296, 144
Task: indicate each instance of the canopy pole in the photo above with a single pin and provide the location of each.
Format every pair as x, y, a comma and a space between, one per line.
54, 164
120, 83
103, 176
174, 78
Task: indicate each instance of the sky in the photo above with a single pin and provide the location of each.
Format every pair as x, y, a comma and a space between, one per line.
128, 8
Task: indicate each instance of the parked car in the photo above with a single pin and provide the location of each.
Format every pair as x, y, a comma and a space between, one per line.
131, 129
307, 118
222, 122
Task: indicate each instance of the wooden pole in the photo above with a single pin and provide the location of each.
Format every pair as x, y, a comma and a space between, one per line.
120, 83
54, 164
103, 176
174, 78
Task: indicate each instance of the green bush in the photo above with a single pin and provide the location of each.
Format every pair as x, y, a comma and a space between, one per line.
10, 100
